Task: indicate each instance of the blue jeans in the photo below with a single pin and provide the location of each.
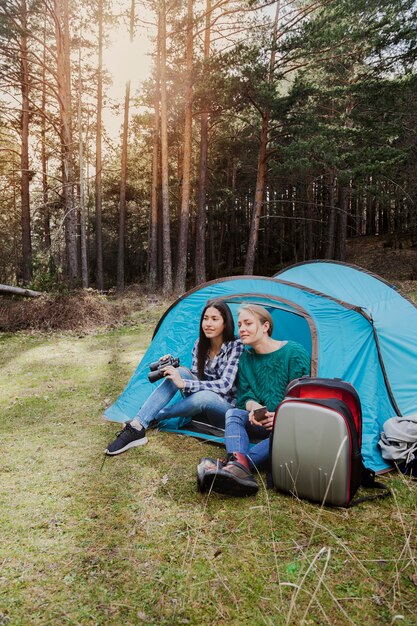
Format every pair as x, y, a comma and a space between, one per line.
207, 402
237, 434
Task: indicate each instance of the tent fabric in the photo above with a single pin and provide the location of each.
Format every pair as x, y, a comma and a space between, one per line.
394, 318
338, 329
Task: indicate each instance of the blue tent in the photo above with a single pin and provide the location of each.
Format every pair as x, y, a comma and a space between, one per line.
354, 325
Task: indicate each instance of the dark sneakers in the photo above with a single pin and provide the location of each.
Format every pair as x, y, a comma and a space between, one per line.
127, 438
231, 478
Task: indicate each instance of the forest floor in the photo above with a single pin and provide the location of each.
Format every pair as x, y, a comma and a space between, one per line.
87, 539
393, 259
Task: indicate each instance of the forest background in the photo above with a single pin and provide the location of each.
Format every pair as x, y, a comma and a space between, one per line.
266, 134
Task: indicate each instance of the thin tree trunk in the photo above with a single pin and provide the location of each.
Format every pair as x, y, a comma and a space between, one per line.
166, 237
310, 215
122, 197
262, 162
99, 166
24, 154
200, 239
153, 239
331, 225
18, 291
122, 203
231, 248
64, 89
154, 225
83, 238
186, 167
259, 194
343, 215
44, 158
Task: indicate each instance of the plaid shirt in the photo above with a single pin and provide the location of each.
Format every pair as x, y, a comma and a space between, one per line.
219, 373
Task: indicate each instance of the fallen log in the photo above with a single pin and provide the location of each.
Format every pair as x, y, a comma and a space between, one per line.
19, 291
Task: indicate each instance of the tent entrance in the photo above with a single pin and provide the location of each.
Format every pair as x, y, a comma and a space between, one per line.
291, 322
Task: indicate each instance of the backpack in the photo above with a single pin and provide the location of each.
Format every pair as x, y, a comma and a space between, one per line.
398, 443
315, 445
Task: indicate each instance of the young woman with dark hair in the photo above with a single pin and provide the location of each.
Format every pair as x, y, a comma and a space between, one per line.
209, 388
265, 369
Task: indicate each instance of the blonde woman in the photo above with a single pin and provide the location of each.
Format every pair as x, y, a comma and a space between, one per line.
266, 367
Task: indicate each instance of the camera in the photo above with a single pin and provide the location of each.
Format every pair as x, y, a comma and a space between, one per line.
157, 367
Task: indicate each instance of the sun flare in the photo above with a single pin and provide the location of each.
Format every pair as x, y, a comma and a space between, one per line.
126, 60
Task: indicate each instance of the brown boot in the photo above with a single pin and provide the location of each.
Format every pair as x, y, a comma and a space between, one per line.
235, 477
206, 472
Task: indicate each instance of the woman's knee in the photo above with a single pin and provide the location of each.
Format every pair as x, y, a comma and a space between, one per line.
185, 373
236, 416
207, 401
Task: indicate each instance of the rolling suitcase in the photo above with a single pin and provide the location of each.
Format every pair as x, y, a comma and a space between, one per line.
316, 443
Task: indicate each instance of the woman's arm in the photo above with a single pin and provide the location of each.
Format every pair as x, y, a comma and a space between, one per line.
227, 373
247, 397
194, 369
299, 363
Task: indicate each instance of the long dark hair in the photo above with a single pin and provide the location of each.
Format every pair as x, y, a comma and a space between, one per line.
204, 342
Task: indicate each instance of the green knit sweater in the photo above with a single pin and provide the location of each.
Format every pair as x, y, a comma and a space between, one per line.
264, 377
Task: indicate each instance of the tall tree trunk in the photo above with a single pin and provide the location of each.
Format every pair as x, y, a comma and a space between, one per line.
24, 154
122, 202
166, 237
186, 168
99, 166
83, 238
259, 194
122, 196
64, 90
310, 216
231, 248
344, 194
46, 214
200, 238
331, 224
262, 162
153, 238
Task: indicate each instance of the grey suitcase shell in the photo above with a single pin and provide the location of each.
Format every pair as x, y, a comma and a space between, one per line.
311, 451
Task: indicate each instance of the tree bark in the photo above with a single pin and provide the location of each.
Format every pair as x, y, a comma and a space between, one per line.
64, 90
122, 200
200, 238
186, 167
99, 166
310, 216
262, 162
24, 154
18, 291
46, 214
344, 194
259, 194
83, 237
122, 196
154, 222
166, 236
331, 225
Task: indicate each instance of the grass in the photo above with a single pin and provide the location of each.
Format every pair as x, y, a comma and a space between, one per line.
131, 541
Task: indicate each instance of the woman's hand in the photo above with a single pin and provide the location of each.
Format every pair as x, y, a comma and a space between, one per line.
267, 423
173, 374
